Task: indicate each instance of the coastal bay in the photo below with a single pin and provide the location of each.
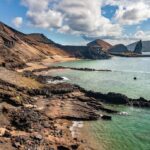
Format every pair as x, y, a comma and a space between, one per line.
130, 130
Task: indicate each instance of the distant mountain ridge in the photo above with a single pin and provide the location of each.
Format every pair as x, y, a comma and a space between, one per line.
145, 46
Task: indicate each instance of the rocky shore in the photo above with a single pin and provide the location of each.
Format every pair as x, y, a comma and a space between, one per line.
71, 68
37, 115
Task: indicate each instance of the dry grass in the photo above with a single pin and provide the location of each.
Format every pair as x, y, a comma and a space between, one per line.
17, 79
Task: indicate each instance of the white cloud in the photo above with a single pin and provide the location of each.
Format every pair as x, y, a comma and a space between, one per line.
36, 5
17, 22
49, 19
84, 17
142, 35
81, 17
133, 14
127, 39
130, 11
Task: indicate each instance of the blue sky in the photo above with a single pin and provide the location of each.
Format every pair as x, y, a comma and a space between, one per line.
69, 21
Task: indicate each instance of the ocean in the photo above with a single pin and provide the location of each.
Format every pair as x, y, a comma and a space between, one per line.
124, 132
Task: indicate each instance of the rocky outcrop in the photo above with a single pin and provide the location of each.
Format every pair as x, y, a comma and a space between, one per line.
145, 46
86, 52
96, 53
118, 99
138, 48
62, 67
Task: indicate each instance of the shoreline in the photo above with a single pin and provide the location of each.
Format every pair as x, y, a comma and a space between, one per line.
50, 110
43, 64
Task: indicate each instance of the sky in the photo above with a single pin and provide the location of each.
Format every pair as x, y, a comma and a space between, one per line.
77, 22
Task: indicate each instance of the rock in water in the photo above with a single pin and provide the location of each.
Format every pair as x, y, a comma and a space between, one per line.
138, 48
105, 117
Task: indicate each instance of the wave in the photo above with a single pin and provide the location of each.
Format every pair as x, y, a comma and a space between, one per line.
75, 128
58, 81
124, 113
65, 78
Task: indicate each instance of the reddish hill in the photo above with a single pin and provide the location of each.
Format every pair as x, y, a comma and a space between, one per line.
100, 43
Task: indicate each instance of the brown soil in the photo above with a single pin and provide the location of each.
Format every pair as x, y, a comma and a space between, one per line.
38, 116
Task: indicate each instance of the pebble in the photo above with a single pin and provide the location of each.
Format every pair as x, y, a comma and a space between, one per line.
38, 136
2, 131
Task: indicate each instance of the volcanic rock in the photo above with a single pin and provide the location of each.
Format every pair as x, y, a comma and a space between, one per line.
138, 48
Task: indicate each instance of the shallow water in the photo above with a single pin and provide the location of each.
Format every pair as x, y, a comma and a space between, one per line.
130, 132
119, 80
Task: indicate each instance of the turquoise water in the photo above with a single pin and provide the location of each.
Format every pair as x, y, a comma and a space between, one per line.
130, 132
119, 80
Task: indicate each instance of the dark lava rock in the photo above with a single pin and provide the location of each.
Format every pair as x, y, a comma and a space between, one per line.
62, 148
26, 119
38, 137
112, 98
7, 134
16, 144
43, 91
115, 98
74, 147
141, 102
57, 78
30, 143
41, 78
29, 74
105, 117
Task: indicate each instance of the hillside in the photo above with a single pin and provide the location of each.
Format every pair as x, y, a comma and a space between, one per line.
146, 46
17, 48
